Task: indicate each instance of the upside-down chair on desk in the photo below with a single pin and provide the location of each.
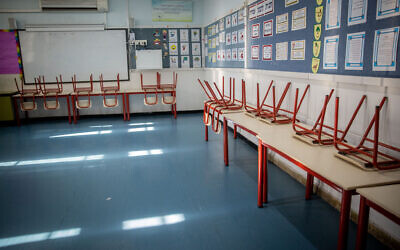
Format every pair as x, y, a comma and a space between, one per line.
271, 113
219, 105
109, 91
149, 89
168, 99
82, 91
362, 155
27, 93
51, 93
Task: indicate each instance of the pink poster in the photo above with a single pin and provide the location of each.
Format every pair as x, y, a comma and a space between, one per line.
8, 53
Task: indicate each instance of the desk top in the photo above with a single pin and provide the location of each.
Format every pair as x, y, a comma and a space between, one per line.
387, 197
320, 159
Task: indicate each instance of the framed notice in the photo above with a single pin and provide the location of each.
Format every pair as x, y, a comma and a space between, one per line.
268, 27
267, 52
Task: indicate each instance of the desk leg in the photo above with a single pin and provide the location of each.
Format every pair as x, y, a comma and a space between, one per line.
206, 132
309, 186
128, 107
344, 219
260, 174
16, 114
73, 108
175, 113
362, 227
234, 131
226, 157
123, 106
265, 175
69, 110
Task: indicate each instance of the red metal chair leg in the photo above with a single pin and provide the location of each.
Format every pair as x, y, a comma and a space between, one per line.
265, 175
362, 228
234, 131
73, 108
69, 109
16, 112
260, 175
309, 186
128, 106
206, 133
344, 220
226, 157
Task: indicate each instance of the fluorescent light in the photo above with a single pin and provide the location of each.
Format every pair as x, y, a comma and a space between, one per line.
156, 151
138, 153
131, 130
59, 160
145, 152
65, 233
7, 163
153, 221
173, 219
141, 124
101, 126
105, 132
17, 240
101, 132
29, 238
142, 223
94, 157
63, 27
53, 160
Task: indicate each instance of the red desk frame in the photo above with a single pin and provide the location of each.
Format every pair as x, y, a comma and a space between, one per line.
127, 103
75, 109
262, 196
363, 217
16, 109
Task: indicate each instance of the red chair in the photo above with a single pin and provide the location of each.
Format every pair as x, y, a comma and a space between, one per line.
168, 100
82, 91
366, 157
51, 92
109, 90
149, 89
27, 93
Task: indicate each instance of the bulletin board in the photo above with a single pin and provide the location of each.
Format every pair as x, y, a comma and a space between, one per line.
225, 41
181, 47
345, 40
10, 56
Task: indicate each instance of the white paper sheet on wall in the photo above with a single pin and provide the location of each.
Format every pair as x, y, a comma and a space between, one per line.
355, 51
385, 49
331, 48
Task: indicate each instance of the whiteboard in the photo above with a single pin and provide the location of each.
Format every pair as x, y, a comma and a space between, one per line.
74, 52
149, 59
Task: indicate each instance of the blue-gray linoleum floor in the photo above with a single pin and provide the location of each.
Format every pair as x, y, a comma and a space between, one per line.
150, 183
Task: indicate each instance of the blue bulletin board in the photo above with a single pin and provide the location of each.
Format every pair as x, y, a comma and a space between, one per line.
224, 41
183, 45
340, 37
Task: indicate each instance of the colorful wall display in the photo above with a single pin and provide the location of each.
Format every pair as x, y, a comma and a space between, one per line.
346, 37
181, 47
225, 44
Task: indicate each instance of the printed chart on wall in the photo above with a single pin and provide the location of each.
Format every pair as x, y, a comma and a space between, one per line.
224, 41
279, 35
308, 36
181, 47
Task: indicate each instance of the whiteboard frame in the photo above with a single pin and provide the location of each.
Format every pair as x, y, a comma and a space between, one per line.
54, 82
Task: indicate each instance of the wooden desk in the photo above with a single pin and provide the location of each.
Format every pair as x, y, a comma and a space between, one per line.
318, 162
384, 199
96, 93
40, 95
138, 91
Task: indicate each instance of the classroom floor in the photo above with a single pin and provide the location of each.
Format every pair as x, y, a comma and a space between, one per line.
151, 183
